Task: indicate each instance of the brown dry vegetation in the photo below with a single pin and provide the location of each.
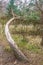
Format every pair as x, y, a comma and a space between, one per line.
31, 49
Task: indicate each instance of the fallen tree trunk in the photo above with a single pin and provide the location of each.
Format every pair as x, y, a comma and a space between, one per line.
19, 55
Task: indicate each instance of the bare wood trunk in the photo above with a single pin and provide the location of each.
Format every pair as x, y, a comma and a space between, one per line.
19, 55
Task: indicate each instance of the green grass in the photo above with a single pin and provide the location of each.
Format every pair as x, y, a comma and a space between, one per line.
33, 47
23, 44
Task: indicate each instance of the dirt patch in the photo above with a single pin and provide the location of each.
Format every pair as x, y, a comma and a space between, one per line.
5, 57
8, 58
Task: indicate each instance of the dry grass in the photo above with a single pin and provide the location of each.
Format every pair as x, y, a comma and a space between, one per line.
31, 49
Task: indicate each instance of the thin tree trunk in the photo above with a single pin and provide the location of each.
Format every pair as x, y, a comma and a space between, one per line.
41, 32
42, 41
19, 55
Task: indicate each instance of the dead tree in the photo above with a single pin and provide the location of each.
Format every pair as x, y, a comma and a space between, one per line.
18, 54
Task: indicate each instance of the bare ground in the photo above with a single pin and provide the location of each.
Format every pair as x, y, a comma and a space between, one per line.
8, 58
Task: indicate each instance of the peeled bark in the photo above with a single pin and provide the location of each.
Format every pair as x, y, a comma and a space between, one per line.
19, 55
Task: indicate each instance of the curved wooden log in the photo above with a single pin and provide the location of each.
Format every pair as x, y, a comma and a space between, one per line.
19, 55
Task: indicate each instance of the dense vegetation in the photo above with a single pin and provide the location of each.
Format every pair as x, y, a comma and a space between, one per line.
27, 29
30, 14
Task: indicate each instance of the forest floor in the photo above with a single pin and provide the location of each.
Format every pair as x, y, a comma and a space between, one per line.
8, 58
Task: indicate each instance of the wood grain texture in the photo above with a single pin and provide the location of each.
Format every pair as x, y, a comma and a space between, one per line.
18, 53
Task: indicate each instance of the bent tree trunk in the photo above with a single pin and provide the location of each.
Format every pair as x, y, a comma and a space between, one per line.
19, 55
